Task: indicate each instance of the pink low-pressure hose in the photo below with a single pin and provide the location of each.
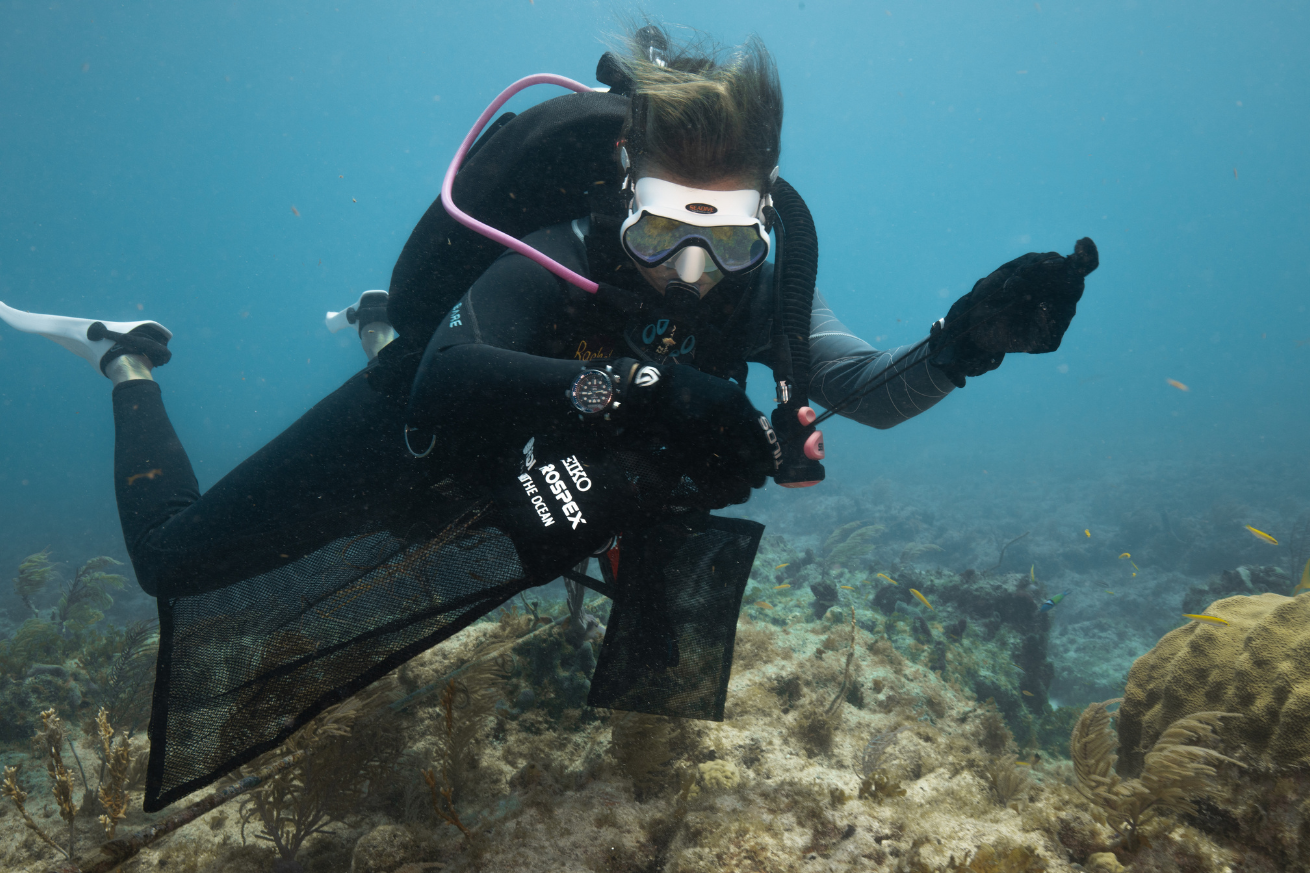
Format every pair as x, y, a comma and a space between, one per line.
448, 184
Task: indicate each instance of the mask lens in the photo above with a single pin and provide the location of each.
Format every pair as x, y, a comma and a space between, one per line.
653, 239
736, 247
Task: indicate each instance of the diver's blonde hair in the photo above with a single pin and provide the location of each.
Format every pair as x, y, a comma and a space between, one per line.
699, 111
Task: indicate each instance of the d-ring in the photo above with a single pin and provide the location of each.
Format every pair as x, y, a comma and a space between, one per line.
411, 448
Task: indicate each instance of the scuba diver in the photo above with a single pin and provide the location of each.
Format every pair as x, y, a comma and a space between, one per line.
556, 372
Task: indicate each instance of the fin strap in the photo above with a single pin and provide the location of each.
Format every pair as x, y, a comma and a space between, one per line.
143, 339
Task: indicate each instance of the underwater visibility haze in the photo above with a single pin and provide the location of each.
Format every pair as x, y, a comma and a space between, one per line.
932, 643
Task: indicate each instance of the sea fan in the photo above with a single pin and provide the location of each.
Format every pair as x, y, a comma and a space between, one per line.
468, 699
129, 680
1007, 781
85, 598
914, 550
850, 541
34, 574
1176, 769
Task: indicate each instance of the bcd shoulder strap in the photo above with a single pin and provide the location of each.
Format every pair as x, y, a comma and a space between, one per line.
552, 163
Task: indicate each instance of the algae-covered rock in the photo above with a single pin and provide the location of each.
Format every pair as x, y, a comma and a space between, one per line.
719, 775
1257, 666
1009, 600
1231, 583
383, 849
1104, 862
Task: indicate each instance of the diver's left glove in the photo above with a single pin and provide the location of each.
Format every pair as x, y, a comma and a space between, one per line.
1025, 306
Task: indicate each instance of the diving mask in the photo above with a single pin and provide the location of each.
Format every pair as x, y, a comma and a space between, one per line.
669, 221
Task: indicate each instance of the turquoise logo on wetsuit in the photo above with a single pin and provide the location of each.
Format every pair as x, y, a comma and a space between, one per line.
669, 345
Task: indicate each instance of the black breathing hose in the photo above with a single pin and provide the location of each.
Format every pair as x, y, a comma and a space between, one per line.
800, 267
796, 264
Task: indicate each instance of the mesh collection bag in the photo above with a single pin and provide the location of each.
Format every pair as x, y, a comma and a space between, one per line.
668, 645
241, 668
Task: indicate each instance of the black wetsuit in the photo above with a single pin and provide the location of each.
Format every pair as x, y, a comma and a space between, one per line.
346, 456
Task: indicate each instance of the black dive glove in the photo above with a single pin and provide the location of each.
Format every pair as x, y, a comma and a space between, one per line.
1025, 306
717, 438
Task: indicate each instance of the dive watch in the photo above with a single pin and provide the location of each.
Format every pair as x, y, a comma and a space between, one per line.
592, 393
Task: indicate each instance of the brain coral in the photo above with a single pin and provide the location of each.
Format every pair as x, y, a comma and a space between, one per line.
1257, 666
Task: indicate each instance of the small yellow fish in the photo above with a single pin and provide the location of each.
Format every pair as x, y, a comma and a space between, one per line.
780, 566
1262, 535
779, 587
864, 581
1024, 763
1108, 591
922, 599
888, 578
1179, 385
1026, 694
1088, 532
762, 605
1124, 555
1212, 619
1304, 584
848, 587
1032, 572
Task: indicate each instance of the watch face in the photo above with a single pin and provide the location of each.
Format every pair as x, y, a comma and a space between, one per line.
592, 391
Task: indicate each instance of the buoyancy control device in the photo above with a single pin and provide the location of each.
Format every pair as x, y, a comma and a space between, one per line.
556, 162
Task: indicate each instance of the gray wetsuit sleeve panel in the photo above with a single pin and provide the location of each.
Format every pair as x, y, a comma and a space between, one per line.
841, 362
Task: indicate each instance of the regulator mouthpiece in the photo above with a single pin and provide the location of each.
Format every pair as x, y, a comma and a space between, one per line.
682, 300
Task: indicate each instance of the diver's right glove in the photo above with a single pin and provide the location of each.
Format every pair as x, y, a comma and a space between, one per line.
1024, 306
723, 443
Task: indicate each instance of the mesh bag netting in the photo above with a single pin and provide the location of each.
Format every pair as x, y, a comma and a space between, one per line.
243, 667
668, 644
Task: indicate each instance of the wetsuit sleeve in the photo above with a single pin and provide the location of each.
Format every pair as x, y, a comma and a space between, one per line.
492, 371
516, 304
842, 363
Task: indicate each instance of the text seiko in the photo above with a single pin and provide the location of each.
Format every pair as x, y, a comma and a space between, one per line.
561, 491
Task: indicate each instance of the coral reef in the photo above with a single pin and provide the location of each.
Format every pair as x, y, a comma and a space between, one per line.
864, 729
1253, 666
1177, 768
68, 658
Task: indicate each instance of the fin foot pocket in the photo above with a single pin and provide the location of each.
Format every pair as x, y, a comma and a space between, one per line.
92, 339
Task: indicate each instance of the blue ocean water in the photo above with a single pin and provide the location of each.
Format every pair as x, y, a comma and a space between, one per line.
233, 170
